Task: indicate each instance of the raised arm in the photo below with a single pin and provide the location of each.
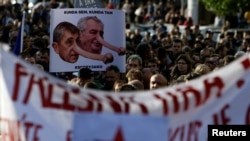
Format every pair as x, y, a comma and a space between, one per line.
106, 58
119, 50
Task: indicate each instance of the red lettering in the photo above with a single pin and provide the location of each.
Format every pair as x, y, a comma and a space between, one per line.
193, 130
96, 99
46, 92
66, 100
142, 106
19, 72
190, 91
246, 63
175, 101
36, 137
164, 103
172, 135
69, 136
48, 102
221, 118
89, 107
217, 82
115, 105
187, 132
39, 83
27, 126
126, 104
13, 129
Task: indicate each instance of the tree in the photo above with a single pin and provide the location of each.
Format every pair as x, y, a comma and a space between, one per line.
226, 7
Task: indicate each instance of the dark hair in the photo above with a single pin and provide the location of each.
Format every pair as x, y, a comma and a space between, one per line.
184, 57
127, 87
135, 74
85, 73
175, 73
178, 41
161, 53
60, 29
142, 49
114, 68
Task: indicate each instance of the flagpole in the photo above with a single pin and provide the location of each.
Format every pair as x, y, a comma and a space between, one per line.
22, 31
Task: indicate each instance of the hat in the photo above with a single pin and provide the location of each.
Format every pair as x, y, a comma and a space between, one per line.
85, 73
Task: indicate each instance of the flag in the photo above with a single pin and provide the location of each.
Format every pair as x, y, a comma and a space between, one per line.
19, 41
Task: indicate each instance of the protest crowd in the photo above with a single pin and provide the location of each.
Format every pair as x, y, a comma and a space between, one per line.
164, 57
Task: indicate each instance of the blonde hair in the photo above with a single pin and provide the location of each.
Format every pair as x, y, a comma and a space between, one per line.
134, 74
202, 69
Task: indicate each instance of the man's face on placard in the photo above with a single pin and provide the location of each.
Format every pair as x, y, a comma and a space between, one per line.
88, 37
65, 47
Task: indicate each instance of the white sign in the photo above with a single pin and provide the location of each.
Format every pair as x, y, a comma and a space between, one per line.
110, 37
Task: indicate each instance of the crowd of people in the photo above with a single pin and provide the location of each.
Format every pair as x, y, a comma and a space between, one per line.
163, 58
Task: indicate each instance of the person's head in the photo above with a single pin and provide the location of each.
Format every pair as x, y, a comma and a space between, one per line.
118, 84
44, 58
65, 37
30, 59
221, 50
137, 83
184, 64
126, 87
147, 73
134, 74
111, 74
157, 81
209, 34
153, 64
84, 75
205, 52
134, 61
91, 28
161, 55
177, 46
228, 59
202, 69
144, 50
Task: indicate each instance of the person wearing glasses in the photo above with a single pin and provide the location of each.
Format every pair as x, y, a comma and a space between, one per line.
176, 49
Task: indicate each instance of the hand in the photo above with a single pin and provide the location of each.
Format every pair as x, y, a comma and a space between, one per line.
108, 58
121, 51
